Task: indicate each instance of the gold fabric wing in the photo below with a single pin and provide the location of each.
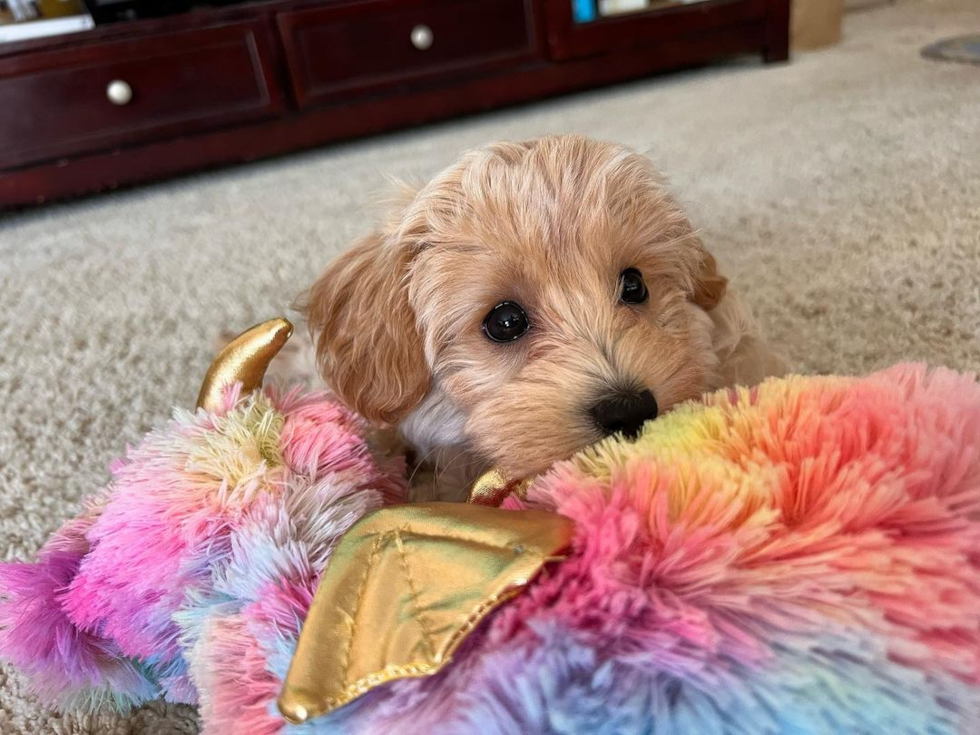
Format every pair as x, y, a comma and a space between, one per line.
403, 589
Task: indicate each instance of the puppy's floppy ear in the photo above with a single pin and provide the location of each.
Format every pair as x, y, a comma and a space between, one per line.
368, 344
709, 286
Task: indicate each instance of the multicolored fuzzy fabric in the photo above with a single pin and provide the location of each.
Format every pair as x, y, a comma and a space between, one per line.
189, 576
802, 557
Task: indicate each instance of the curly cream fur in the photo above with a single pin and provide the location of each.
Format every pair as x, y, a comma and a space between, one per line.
549, 223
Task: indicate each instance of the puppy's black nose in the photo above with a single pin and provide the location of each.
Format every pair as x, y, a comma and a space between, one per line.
625, 412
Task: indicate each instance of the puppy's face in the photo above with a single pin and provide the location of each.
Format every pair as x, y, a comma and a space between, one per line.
551, 292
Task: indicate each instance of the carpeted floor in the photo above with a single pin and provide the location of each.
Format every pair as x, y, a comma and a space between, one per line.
841, 193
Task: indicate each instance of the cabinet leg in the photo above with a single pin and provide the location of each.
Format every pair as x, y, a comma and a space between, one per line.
776, 40
775, 54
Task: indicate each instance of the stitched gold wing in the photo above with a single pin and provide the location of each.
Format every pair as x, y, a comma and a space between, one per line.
403, 589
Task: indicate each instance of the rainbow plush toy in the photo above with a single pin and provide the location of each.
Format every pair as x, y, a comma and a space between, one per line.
802, 557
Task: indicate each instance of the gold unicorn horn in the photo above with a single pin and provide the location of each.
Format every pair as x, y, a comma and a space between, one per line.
245, 359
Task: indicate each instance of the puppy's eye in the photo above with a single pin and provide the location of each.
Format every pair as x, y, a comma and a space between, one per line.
632, 288
506, 322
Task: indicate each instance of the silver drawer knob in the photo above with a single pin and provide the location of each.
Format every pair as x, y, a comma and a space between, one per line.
119, 92
422, 37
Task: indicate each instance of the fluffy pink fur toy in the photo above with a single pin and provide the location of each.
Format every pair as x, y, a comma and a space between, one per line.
802, 557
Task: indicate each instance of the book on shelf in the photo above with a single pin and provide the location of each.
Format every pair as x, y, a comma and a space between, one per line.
620, 7
624, 7
24, 19
583, 11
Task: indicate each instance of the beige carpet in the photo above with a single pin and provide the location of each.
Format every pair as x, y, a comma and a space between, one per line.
841, 193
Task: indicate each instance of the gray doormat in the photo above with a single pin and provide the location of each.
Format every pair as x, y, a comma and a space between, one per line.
962, 48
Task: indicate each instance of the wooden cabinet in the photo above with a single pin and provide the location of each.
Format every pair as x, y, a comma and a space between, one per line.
142, 100
106, 94
360, 48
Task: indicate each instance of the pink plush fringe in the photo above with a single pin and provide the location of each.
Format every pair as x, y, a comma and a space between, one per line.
803, 557
217, 518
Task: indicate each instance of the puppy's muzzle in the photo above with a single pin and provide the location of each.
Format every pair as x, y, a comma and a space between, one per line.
625, 413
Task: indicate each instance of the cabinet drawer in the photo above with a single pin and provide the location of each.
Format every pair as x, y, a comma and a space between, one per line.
341, 50
102, 95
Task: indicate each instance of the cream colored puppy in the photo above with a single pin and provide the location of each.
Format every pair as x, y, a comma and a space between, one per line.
532, 299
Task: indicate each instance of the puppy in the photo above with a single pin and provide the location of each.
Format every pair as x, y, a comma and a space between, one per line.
530, 300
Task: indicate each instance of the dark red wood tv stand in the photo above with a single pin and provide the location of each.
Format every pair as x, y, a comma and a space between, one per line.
142, 100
